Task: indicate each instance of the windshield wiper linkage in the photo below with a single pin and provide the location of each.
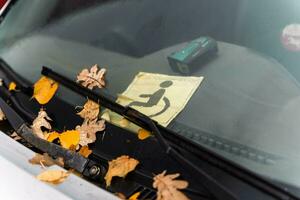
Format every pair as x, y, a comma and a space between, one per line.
213, 187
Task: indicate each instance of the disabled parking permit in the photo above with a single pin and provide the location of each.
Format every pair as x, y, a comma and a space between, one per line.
159, 96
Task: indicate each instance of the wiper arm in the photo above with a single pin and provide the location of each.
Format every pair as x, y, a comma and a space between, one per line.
87, 167
72, 159
213, 187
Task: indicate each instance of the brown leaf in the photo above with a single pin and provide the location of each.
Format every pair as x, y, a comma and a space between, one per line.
143, 134
2, 115
120, 167
121, 196
85, 151
53, 176
88, 131
39, 122
46, 160
92, 78
90, 110
167, 187
15, 136
44, 90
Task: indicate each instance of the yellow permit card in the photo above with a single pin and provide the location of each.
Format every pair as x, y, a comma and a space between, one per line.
161, 97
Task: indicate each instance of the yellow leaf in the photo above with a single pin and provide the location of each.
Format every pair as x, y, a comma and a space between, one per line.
69, 138
53, 176
44, 90
85, 151
143, 134
12, 86
134, 196
52, 136
120, 167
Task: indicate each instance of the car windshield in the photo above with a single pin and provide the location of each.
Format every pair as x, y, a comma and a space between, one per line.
247, 108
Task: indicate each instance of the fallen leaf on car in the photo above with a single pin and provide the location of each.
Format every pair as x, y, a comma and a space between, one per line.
121, 196
120, 167
69, 139
85, 151
53, 176
46, 160
44, 90
41, 121
52, 136
92, 78
2, 115
134, 196
168, 188
90, 110
143, 134
12, 86
88, 131
15, 136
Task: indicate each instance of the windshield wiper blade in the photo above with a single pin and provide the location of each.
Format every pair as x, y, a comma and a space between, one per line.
214, 188
71, 158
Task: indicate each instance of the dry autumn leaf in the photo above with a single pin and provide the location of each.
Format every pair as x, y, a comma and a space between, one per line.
92, 78
53, 176
12, 86
39, 122
88, 131
15, 136
52, 136
46, 160
168, 188
120, 196
120, 167
44, 90
2, 115
69, 139
85, 151
143, 134
90, 110
134, 196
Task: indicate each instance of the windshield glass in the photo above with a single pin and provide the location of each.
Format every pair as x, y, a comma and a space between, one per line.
247, 108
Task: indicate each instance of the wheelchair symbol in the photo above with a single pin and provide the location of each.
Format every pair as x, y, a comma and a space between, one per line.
154, 98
